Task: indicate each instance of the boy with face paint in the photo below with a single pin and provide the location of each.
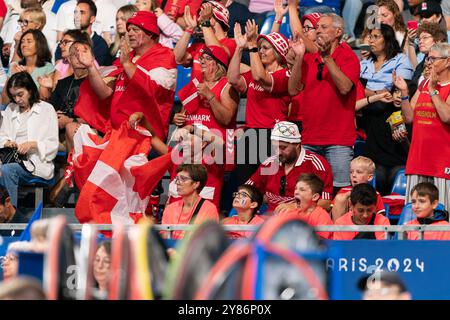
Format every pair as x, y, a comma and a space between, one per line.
363, 199
247, 201
425, 199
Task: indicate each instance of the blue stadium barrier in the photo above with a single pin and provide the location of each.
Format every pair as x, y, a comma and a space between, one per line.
285, 28
183, 78
399, 185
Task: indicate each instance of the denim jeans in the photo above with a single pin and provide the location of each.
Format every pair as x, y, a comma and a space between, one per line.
339, 158
11, 174
350, 13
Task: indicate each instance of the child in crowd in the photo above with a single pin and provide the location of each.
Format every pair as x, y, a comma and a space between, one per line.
363, 199
425, 199
362, 170
308, 190
247, 201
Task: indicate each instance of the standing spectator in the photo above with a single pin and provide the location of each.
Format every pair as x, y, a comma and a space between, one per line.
31, 126
328, 81
149, 60
247, 201
266, 88
214, 26
389, 13
9, 214
428, 110
425, 199
192, 208
123, 14
363, 200
277, 176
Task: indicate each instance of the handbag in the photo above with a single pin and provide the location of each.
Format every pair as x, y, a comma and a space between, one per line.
10, 155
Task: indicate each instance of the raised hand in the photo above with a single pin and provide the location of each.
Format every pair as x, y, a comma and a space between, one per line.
46, 81
191, 21
18, 68
324, 44
298, 45
400, 83
206, 12
433, 80
124, 50
205, 91
251, 32
134, 119
85, 57
280, 10
239, 38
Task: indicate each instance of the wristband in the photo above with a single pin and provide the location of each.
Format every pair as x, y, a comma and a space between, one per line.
190, 31
405, 98
255, 49
279, 22
368, 102
206, 24
435, 92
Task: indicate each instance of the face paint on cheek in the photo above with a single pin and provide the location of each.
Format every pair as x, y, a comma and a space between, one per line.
140, 40
243, 202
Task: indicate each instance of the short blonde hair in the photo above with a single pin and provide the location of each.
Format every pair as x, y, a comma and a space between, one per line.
365, 162
37, 15
39, 230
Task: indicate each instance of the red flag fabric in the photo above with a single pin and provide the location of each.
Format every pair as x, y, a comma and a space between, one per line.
108, 195
395, 202
189, 96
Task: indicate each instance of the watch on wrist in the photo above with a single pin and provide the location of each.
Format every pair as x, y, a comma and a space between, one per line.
433, 93
254, 49
206, 24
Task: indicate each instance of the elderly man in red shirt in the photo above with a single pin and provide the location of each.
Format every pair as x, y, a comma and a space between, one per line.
277, 176
327, 80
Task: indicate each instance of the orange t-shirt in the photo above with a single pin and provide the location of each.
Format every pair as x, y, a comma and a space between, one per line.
256, 220
318, 217
429, 235
173, 215
346, 220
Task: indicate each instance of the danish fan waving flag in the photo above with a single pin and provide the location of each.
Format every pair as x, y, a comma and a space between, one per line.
109, 194
189, 96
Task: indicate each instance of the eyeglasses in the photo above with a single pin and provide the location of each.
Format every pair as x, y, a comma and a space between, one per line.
241, 194
7, 258
319, 75
431, 59
308, 28
424, 38
283, 184
65, 42
375, 37
106, 262
181, 179
24, 22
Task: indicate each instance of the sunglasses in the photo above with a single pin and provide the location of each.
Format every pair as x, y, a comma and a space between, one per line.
319, 75
283, 184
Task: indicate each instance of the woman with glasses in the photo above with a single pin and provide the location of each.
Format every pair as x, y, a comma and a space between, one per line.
428, 34
10, 262
247, 201
266, 88
102, 267
62, 66
429, 112
192, 208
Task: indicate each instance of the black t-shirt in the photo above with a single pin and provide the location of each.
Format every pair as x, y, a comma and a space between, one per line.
380, 147
66, 95
17, 218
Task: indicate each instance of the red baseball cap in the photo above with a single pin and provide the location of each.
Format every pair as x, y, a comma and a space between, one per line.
145, 20
313, 17
278, 42
217, 53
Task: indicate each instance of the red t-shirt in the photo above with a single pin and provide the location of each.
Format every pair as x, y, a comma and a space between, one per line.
195, 49
265, 108
268, 181
346, 220
429, 235
380, 204
429, 153
3, 9
318, 217
328, 116
256, 220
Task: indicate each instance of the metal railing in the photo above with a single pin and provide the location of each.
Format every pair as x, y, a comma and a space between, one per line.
170, 228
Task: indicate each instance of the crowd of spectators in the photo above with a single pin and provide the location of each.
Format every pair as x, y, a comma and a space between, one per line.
308, 96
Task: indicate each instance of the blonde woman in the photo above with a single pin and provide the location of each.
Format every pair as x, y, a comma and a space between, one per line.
123, 14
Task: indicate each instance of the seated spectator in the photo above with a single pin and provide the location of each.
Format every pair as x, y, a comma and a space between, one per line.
385, 57
428, 34
266, 88
213, 21
35, 58
62, 66
9, 214
22, 288
10, 262
191, 143
67, 91
30, 126
192, 208
170, 31
425, 199
277, 176
390, 14
363, 199
362, 170
122, 16
383, 285
247, 201
308, 191
102, 267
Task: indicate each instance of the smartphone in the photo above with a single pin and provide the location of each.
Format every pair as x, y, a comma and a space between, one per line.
413, 25
364, 47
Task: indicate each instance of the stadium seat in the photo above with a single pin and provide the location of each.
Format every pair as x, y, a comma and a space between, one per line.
285, 28
37, 186
399, 186
373, 182
183, 78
